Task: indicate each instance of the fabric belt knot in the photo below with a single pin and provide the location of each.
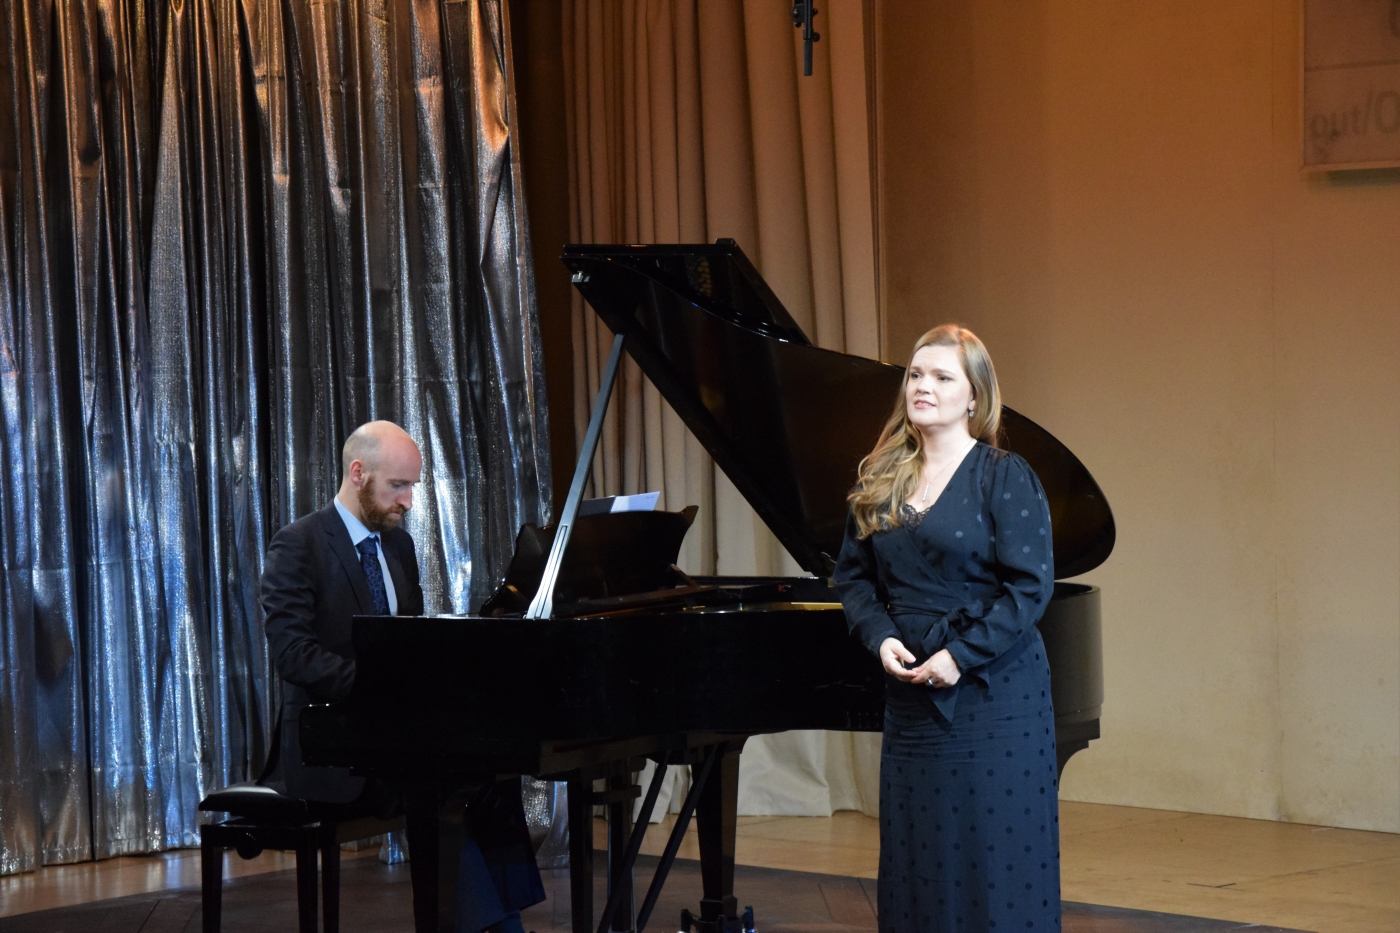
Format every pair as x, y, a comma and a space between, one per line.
926, 633
369, 560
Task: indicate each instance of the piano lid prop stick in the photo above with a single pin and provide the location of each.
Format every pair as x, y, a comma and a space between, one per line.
542, 606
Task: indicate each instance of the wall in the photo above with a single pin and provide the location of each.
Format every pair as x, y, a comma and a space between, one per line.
1107, 191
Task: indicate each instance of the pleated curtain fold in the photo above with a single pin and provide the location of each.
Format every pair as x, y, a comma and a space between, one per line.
230, 231
690, 120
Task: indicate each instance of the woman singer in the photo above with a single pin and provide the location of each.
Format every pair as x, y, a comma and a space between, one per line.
945, 570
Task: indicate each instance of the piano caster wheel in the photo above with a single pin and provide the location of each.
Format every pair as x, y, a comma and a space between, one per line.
723, 924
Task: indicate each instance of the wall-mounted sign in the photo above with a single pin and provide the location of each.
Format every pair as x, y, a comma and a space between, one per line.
1351, 83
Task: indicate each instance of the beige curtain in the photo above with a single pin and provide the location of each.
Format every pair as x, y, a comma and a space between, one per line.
690, 120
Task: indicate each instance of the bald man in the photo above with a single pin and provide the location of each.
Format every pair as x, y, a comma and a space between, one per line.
352, 558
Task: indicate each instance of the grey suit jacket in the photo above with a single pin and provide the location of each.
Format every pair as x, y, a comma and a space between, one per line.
312, 585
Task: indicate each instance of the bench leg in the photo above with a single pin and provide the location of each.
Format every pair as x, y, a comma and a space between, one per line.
306, 882
330, 880
211, 884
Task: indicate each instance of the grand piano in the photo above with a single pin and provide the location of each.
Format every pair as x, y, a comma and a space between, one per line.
597, 653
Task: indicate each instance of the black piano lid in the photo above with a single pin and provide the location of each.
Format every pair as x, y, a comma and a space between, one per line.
788, 422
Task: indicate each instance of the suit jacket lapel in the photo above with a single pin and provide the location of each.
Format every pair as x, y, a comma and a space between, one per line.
349, 557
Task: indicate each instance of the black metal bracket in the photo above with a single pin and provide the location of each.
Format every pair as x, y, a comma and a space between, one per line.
615, 795
803, 12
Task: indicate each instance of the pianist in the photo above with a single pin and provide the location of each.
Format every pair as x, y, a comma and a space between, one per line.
944, 573
352, 558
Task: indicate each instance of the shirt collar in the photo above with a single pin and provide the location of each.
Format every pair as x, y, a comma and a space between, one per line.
357, 529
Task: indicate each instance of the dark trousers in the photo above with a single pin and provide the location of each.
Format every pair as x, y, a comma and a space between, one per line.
495, 871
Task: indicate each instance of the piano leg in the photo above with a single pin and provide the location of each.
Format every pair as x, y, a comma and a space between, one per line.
581, 853
716, 817
619, 831
1071, 738
434, 824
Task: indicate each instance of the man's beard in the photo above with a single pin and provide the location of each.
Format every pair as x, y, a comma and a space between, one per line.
376, 518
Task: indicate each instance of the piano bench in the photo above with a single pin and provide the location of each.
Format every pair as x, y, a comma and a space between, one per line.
259, 819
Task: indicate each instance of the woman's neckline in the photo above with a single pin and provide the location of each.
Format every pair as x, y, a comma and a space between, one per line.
938, 498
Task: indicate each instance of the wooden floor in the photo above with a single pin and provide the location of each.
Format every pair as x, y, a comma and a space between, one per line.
1279, 874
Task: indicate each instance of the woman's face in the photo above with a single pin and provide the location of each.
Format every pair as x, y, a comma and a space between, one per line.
937, 393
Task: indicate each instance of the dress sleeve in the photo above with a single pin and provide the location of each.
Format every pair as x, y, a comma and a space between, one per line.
857, 580
1025, 568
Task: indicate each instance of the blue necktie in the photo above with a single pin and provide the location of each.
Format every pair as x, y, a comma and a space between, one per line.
369, 560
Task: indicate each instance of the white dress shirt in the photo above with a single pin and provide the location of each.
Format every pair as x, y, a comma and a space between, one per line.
358, 532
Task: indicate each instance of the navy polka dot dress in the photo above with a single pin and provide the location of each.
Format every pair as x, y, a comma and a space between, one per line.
969, 834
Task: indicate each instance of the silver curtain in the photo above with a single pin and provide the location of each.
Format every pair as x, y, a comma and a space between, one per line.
231, 230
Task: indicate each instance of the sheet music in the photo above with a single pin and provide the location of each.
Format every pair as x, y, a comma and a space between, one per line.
640, 502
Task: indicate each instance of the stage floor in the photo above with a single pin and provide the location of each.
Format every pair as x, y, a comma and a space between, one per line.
377, 899
1246, 871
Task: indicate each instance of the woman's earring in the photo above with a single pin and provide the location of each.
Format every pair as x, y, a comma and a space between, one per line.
970, 412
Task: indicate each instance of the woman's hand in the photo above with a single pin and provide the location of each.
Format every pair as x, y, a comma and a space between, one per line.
938, 671
893, 655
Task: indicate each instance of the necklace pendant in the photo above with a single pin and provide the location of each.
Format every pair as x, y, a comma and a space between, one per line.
924, 497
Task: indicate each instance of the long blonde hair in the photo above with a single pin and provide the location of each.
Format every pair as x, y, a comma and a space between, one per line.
887, 476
